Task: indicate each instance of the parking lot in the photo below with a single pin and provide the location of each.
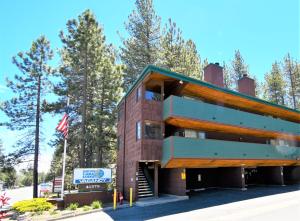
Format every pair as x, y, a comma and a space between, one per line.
257, 203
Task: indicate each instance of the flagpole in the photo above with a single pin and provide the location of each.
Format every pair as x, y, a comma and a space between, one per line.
64, 161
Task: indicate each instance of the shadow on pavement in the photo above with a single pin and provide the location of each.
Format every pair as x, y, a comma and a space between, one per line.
199, 200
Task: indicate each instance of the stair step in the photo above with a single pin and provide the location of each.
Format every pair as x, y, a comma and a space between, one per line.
145, 195
144, 188
145, 191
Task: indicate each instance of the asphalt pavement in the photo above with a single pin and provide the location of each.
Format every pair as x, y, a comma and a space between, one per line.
254, 204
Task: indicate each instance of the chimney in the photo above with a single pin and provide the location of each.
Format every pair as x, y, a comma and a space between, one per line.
246, 85
213, 73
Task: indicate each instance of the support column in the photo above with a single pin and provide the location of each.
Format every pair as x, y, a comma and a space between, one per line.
291, 174
155, 179
232, 177
272, 175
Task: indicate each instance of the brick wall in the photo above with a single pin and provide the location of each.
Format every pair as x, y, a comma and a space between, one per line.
86, 198
171, 183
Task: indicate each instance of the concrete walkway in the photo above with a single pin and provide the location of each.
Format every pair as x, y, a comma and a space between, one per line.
161, 200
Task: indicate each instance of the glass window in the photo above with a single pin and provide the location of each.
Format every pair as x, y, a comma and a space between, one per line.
153, 96
201, 135
190, 133
138, 94
138, 130
153, 130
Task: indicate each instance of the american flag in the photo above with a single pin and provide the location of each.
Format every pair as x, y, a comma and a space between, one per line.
63, 125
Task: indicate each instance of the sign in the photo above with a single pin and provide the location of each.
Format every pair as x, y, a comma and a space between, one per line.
45, 187
91, 187
57, 184
92, 175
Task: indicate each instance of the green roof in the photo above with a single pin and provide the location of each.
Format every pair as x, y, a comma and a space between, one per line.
151, 68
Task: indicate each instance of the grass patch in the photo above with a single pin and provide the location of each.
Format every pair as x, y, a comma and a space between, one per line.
96, 204
73, 206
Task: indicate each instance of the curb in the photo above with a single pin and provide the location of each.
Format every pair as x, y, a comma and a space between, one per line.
88, 212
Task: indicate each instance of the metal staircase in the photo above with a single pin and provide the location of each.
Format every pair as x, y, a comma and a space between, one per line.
144, 189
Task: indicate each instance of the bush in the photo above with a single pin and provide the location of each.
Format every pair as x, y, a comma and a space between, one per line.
96, 204
86, 208
73, 206
32, 205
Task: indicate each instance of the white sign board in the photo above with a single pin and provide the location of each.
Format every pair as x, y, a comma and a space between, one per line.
45, 187
57, 185
92, 175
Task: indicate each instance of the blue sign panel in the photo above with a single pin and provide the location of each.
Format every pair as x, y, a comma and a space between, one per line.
92, 175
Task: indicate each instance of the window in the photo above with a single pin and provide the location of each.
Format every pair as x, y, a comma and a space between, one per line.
138, 130
153, 96
281, 143
201, 135
153, 130
153, 92
190, 133
138, 93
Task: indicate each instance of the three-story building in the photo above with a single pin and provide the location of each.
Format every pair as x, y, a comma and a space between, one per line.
176, 134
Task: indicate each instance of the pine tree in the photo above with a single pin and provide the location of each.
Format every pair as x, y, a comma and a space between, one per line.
178, 55
92, 80
239, 68
258, 87
227, 77
2, 157
141, 48
275, 85
24, 109
291, 73
171, 47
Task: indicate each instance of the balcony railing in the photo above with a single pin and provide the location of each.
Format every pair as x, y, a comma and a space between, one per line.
191, 148
197, 110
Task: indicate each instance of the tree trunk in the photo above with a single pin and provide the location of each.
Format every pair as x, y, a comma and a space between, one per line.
83, 122
37, 139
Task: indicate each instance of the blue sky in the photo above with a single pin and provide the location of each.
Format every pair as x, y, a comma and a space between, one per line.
264, 31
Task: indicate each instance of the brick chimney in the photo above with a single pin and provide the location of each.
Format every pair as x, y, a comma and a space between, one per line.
246, 85
213, 73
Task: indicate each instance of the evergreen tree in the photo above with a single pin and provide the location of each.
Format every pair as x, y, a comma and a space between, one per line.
92, 81
2, 157
239, 68
275, 85
24, 110
227, 77
178, 55
258, 87
291, 73
171, 45
141, 48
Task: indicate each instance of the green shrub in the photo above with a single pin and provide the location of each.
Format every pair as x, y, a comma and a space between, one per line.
73, 206
32, 205
86, 208
96, 204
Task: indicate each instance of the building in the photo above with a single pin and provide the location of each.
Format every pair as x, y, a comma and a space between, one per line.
177, 134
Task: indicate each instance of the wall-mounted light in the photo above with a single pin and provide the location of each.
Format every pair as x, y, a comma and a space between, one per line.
180, 82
